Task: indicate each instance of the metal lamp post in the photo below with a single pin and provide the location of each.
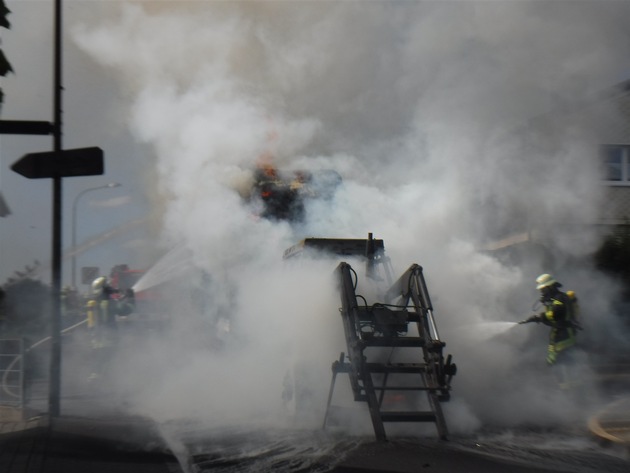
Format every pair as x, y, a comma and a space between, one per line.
74, 223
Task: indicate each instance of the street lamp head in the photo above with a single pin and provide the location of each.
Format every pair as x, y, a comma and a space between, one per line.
74, 221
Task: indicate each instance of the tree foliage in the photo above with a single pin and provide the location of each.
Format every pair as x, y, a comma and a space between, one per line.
25, 309
5, 65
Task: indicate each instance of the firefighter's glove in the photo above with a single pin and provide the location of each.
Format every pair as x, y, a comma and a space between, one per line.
534, 318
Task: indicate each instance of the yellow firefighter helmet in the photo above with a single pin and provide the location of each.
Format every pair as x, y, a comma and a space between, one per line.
545, 280
98, 284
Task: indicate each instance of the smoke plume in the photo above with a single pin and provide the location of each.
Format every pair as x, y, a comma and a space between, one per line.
435, 115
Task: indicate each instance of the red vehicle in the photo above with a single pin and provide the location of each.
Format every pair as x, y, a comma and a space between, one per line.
123, 278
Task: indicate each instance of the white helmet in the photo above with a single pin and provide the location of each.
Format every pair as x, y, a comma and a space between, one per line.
545, 280
98, 284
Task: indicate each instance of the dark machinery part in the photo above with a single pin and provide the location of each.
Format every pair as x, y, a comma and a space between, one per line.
371, 249
283, 195
406, 322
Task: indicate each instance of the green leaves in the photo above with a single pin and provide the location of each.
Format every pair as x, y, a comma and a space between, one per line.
4, 12
5, 65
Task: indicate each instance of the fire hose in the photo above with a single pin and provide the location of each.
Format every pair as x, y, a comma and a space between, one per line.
539, 319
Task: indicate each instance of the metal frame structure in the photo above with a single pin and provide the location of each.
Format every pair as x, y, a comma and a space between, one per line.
404, 323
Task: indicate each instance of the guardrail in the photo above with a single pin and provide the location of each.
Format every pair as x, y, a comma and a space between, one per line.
12, 381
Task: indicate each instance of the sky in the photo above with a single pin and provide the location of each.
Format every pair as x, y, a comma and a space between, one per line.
89, 119
423, 108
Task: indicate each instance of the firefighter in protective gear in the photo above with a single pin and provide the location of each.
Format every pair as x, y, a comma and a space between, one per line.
101, 313
557, 314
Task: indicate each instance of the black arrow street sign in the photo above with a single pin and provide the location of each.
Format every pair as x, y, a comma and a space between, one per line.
65, 163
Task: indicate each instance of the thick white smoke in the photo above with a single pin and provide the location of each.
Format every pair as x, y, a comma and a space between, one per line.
424, 109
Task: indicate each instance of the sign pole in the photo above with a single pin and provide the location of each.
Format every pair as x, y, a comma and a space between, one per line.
54, 394
56, 165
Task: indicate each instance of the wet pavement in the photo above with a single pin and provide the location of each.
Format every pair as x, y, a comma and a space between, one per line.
92, 435
119, 442
73, 445
283, 450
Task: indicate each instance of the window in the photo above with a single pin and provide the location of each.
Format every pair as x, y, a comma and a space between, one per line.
616, 160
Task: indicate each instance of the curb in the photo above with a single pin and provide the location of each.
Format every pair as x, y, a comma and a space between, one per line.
612, 423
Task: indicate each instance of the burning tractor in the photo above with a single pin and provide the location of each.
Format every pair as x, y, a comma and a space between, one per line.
279, 195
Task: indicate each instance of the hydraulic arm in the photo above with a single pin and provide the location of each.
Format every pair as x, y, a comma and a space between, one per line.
402, 322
